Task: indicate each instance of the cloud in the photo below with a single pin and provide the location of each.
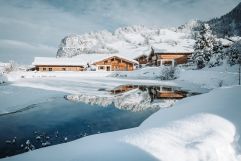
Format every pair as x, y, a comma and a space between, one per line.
46, 22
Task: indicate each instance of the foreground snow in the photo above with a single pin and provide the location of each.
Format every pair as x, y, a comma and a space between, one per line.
199, 137
204, 127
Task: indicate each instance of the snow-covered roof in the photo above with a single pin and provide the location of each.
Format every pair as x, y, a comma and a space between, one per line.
120, 56
80, 60
225, 42
172, 49
139, 56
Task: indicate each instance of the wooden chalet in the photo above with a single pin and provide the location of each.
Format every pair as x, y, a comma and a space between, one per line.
115, 63
168, 58
142, 60
57, 64
101, 62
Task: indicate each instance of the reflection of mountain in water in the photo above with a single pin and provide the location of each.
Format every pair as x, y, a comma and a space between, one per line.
156, 92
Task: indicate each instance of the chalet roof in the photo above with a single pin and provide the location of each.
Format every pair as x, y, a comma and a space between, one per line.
80, 60
166, 53
226, 42
140, 56
172, 49
119, 56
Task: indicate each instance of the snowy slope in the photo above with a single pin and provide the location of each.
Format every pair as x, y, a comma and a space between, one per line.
128, 41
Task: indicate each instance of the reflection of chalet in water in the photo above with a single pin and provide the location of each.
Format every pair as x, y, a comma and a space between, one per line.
123, 89
167, 93
168, 58
155, 92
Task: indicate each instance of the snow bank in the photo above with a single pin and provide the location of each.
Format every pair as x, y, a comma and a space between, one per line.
200, 137
203, 127
159, 73
211, 77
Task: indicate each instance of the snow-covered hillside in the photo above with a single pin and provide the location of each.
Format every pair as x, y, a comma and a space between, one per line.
228, 24
129, 41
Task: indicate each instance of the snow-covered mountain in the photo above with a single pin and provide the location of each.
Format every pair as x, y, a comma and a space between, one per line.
129, 41
229, 24
133, 41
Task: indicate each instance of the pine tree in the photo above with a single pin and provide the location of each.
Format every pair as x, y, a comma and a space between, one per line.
233, 56
234, 53
203, 47
217, 54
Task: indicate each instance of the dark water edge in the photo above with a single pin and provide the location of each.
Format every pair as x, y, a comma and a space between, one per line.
58, 120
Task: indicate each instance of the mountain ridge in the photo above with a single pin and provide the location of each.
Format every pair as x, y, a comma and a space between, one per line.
228, 24
136, 39
132, 41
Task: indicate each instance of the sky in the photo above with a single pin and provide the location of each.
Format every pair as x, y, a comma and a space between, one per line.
30, 28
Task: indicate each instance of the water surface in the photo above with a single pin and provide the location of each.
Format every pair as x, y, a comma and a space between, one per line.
58, 120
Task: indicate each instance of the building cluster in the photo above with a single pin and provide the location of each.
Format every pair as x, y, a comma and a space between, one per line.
110, 62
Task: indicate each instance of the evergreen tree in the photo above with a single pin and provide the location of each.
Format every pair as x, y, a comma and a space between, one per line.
234, 53
233, 56
217, 54
203, 47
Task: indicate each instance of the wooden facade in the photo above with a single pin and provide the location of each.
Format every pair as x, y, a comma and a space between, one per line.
101, 62
142, 59
165, 58
44, 68
115, 63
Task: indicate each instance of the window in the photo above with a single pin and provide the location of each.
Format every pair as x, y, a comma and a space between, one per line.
50, 69
166, 88
44, 69
101, 67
